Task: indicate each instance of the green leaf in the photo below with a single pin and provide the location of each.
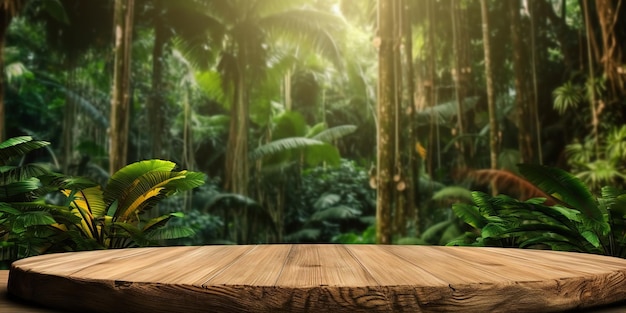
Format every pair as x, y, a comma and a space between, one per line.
280, 145
326, 153
19, 188
340, 212
592, 238
160, 221
563, 186
432, 234
469, 214
170, 232
493, 230
28, 219
11, 174
124, 179
18, 147
56, 10
453, 192
334, 133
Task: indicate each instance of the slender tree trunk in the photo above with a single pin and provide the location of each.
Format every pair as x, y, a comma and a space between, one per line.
491, 101
8, 9
431, 92
612, 61
524, 119
412, 175
592, 101
457, 76
156, 112
385, 112
120, 99
69, 119
535, 95
5, 20
237, 148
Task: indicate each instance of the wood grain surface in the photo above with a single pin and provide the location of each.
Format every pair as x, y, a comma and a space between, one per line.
319, 278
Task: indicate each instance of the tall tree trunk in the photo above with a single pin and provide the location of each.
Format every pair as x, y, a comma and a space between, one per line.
431, 92
491, 100
386, 118
612, 61
5, 20
412, 175
592, 82
8, 9
237, 169
120, 99
156, 111
458, 76
525, 121
535, 94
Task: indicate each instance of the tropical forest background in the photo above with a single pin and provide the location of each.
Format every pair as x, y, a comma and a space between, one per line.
465, 122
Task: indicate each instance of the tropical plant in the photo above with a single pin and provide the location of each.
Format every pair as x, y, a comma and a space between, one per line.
330, 201
578, 221
110, 217
28, 225
601, 168
243, 32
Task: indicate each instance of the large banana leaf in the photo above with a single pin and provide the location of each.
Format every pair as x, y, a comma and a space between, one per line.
334, 133
280, 145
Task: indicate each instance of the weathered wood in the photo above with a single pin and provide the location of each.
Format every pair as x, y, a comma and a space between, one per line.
313, 278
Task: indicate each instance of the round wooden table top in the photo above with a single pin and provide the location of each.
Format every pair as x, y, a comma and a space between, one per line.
319, 278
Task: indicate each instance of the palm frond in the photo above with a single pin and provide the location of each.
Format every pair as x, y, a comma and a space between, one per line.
326, 200
169, 232
562, 186
32, 218
89, 199
120, 183
340, 212
469, 214
432, 234
280, 145
160, 221
304, 235
11, 174
19, 188
334, 133
18, 147
307, 27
